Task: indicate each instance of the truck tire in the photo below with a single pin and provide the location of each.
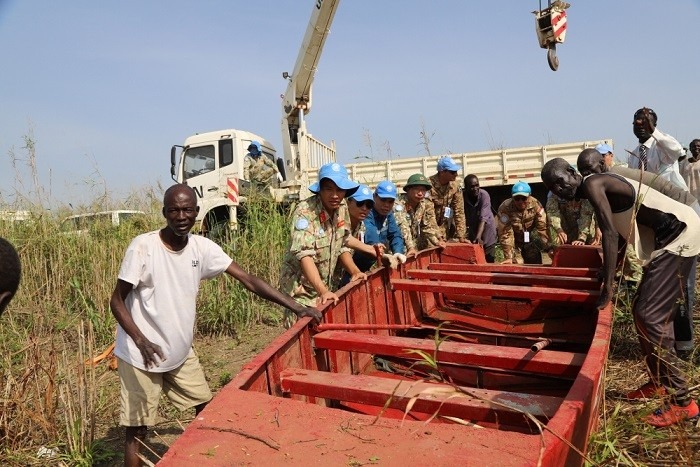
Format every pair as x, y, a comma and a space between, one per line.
215, 227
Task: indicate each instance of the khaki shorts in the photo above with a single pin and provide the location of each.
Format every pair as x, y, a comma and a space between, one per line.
185, 386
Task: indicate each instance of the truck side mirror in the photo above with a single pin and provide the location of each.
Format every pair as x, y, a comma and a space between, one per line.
173, 153
280, 167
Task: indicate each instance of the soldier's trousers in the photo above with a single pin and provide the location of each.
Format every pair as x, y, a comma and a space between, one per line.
527, 253
654, 309
632, 267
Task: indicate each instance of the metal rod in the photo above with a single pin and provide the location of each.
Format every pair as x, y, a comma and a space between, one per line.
363, 327
540, 345
458, 330
406, 327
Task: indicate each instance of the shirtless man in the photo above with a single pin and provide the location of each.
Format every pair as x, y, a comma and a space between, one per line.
664, 232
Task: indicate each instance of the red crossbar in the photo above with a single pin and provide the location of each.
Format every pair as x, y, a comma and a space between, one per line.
516, 269
588, 283
544, 362
496, 291
480, 404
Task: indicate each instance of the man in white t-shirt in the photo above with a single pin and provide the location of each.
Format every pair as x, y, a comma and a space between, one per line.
154, 303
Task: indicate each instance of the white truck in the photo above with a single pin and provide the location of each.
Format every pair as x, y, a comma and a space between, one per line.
212, 163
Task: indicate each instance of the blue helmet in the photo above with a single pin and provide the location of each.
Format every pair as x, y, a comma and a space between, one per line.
521, 189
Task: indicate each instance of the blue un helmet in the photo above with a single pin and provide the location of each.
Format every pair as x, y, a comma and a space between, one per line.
521, 189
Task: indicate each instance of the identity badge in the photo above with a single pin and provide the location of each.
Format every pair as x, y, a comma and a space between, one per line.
527, 236
448, 212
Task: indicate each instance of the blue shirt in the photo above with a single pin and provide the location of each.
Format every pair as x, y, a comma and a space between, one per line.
380, 229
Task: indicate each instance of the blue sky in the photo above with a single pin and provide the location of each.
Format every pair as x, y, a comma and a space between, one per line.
107, 87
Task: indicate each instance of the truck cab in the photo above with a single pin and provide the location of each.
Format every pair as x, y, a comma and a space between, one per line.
212, 164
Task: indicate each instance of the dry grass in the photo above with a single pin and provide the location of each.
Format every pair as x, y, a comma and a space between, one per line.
622, 438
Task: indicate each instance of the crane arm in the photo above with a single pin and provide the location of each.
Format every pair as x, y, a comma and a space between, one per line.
301, 150
298, 94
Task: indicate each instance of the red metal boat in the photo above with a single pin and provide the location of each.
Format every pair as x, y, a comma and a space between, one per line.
446, 361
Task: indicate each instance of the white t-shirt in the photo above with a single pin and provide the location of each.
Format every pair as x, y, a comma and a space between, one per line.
163, 300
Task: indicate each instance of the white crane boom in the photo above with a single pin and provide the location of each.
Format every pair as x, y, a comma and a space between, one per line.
300, 149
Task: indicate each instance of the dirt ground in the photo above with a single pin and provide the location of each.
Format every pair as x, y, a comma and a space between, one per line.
221, 357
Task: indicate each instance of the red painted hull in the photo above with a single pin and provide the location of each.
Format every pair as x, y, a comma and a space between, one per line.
313, 396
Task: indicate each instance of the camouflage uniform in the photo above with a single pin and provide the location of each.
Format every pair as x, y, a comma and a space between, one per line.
512, 225
632, 267
443, 196
261, 171
318, 234
576, 218
337, 281
418, 227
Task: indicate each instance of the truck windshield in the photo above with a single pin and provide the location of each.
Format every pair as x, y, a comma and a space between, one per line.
198, 161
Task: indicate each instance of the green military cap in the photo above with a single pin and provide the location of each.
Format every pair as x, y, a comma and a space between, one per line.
417, 179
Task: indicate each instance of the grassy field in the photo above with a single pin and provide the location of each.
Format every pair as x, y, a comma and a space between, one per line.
54, 405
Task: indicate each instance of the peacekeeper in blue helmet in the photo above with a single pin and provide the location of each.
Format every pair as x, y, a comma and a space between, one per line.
258, 168
381, 226
320, 238
522, 227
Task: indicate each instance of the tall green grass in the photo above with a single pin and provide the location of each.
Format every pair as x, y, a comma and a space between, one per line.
258, 246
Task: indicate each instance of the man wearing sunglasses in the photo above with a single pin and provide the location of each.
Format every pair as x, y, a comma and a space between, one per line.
381, 226
447, 200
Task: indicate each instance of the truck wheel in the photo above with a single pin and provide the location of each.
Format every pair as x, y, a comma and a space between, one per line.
552, 58
216, 228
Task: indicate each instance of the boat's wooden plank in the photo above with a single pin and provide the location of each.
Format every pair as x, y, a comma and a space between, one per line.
430, 397
587, 283
517, 269
500, 291
546, 362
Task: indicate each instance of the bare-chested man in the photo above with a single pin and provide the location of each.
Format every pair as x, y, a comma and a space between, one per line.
664, 232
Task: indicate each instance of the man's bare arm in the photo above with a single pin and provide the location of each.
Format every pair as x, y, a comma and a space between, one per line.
266, 291
594, 189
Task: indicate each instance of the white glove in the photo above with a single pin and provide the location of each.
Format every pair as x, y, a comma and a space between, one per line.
390, 261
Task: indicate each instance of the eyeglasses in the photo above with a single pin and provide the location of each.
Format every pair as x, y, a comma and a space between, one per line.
365, 204
519, 199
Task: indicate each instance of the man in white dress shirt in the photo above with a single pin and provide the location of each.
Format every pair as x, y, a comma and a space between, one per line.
659, 153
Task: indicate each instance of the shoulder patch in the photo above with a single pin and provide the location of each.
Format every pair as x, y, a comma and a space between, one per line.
301, 224
505, 218
398, 208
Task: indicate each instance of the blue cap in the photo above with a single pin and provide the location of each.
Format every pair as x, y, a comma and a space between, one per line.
521, 189
338, 175
386, 189
363, 193
256, 145
603, 148
447, 163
